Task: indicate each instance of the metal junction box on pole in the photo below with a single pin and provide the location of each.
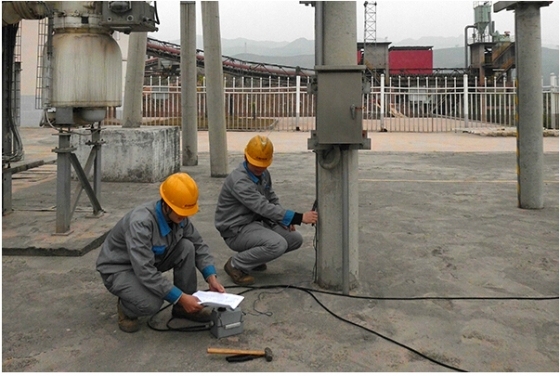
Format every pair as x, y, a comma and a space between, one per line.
339, 116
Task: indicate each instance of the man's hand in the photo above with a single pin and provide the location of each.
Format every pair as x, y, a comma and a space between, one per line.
190, 303
310, 217
215, 285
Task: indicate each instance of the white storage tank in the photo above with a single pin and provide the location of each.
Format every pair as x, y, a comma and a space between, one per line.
86, 70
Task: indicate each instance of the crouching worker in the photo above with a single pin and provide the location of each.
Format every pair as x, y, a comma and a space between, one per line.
151, 239
250, 218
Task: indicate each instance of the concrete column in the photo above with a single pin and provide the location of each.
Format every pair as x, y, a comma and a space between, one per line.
134, 80
530, 161
337, 186
188, 84
213, 70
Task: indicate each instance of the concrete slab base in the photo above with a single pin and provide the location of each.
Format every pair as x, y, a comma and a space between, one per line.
135, 155
85, 235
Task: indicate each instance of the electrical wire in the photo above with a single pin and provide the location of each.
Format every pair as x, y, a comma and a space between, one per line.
15, 153
310, 291
169, 328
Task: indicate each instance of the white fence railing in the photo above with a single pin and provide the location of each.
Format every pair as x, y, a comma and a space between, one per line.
398, 104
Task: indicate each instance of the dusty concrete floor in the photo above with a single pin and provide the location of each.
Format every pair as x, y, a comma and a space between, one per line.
438, 223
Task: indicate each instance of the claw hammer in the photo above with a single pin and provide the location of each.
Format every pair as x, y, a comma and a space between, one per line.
267, 353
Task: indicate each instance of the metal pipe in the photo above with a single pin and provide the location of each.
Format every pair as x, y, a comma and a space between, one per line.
15, 11
467, 45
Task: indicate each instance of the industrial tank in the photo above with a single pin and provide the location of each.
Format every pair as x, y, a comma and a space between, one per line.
86, 66
87, 70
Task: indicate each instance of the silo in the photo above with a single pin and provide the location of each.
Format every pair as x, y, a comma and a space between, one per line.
482, 16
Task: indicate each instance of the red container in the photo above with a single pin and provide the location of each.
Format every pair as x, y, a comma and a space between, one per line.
410, 60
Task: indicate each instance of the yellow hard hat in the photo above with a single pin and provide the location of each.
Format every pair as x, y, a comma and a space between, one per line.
180, 192
259, 151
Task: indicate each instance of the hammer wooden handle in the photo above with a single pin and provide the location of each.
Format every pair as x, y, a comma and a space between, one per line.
213, 350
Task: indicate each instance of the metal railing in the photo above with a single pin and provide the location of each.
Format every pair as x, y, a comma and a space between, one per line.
397, 104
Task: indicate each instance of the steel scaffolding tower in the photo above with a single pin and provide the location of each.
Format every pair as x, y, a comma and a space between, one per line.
370, 22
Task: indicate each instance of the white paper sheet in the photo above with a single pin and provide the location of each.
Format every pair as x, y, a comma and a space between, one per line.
218, 299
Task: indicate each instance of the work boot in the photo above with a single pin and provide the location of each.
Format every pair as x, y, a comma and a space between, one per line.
203, 315
260, 268
238, 276
126, 324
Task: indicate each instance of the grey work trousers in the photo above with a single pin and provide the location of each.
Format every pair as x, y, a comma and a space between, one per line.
260, 242
135, 299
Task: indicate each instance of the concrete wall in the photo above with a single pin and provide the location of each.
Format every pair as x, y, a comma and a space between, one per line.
143, 155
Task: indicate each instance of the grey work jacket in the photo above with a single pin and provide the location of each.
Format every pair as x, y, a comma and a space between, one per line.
246, 198
141, 239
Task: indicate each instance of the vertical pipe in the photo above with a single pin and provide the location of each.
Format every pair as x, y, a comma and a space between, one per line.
467, 45
214, 72
189, 125
530, 101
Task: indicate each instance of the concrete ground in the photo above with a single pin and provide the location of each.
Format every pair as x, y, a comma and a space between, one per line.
456, 275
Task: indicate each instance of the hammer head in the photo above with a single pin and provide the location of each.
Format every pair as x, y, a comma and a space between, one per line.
268, 354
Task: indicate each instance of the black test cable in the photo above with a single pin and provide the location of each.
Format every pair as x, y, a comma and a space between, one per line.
310, 291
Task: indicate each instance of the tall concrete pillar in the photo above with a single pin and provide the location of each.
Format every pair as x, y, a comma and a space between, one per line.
337, 173
188, 84
530, 159
528, 60
134, 80
213, 70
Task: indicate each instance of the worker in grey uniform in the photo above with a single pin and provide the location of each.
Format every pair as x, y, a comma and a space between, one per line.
250, 218
149, 240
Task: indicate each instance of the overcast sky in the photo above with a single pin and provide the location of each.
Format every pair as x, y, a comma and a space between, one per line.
287, 20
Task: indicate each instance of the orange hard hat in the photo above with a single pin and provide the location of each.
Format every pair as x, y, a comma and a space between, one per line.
180, 192
259, 151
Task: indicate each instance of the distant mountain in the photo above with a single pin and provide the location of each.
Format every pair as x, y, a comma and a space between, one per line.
449, 57
302, 61
549, 63
435, 42
231, 47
